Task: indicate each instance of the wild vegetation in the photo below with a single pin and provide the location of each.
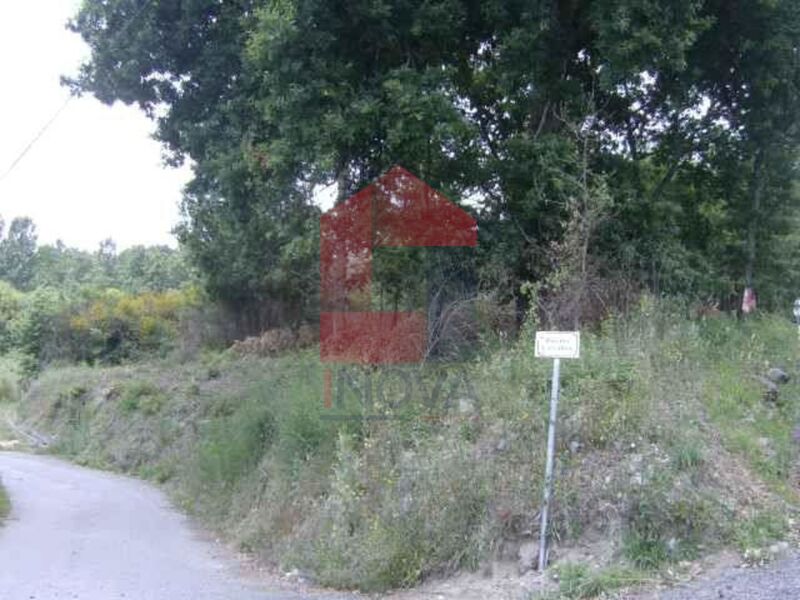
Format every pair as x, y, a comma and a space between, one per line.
632, 167
63, 304
623, 144
5, 505
667, 450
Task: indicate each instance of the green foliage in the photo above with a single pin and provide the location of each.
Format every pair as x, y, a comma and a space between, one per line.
390, 526
758, 530
18, 253
59, 303
26, 266
136, 269
234, 444
143, 396
11, 375
687, 454
10, 306
378, 503
757, 431
667, 525
106, 326
578, 580
678, 118
113, 326
5, 504
37, 328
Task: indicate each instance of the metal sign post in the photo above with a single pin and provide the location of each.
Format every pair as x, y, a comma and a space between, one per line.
555, 345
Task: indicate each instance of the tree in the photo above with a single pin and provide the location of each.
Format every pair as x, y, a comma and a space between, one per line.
106, 258
152, 268
18, 252
272, 99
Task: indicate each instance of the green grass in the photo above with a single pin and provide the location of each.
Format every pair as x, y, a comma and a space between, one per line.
653, 416
577, 581
5, 504
143, 396
759, 530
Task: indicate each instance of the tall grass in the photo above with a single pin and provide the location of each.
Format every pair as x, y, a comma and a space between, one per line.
665, 445
5, 504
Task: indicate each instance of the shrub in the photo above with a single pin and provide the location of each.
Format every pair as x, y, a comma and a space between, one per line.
663, 441
11, 374
667, 520
142, 396
39, 330
5, 504
11, 302
578, 581
105, 326
114, 326
758, 530
234, 445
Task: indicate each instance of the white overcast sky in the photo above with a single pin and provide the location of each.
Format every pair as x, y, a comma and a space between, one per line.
96, 172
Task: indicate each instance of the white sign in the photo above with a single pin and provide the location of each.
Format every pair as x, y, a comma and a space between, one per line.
558, 344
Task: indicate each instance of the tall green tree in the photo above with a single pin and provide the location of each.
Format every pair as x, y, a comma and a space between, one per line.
689, 108
18, 253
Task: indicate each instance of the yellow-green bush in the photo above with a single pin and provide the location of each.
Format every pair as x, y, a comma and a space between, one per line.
664, 445
116, 325
107, 326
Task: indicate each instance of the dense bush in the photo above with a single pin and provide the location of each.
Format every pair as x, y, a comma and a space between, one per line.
116, 326
10, 306
665, 445
107, 326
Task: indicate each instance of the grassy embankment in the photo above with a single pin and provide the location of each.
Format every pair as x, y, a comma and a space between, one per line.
9, 395
5, 504
666, 449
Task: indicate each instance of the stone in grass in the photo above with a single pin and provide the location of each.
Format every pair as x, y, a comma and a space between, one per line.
770, 389
776, 375
297, 576
527, 557
779, 550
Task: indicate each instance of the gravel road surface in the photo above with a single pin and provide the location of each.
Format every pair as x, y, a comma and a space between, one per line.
80, 534
778, 581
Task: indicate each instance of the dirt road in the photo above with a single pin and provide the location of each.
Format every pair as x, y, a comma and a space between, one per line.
80, 534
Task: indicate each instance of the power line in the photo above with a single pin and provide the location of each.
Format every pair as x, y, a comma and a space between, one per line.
61, 109
37, 137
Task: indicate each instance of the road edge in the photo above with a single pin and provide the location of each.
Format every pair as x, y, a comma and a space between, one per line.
5, 504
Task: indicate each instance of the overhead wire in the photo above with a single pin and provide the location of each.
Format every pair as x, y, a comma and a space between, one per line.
40, 133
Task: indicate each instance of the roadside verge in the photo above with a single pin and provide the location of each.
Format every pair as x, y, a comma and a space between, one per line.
5, 504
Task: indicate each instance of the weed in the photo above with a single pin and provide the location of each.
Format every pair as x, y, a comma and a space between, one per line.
687, 454
667, 520
759, 530
578, 581
651, 414
141, 396
5, 504
9, 392
160, 473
